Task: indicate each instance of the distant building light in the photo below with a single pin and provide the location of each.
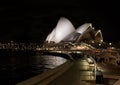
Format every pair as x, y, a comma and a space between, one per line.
93, 42
99, 44
110, 43
78, 52
101, 40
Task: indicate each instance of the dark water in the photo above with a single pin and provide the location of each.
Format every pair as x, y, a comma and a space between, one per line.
17, 67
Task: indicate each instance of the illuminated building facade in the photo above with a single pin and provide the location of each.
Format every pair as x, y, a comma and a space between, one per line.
65, 31
65, 35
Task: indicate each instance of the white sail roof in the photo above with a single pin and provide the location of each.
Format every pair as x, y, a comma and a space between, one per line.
64, 28
83, 28
50, 37
71, 37
65, 31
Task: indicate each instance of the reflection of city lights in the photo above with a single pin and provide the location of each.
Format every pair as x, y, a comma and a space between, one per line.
59, 51
52, 61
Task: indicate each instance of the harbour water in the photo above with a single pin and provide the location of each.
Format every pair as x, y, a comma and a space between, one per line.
17, 67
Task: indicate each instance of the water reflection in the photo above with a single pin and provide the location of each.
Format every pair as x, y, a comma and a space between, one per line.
51, 62
19, 67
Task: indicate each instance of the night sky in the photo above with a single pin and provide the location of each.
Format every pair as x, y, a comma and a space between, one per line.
32, 20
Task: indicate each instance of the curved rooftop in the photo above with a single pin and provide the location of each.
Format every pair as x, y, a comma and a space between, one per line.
65, 31
64, 28
81, 29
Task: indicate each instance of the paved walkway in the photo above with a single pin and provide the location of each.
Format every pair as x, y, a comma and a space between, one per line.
76, 75
111, 73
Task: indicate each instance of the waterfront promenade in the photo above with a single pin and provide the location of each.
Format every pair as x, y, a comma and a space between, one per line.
78, 72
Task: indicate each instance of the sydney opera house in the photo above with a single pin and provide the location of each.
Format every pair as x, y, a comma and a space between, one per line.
65, 33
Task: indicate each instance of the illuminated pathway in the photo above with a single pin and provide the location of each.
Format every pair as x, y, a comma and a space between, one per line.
80, 73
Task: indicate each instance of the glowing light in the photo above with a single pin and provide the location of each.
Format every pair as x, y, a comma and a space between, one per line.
99, 44
101, 40
110, 43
